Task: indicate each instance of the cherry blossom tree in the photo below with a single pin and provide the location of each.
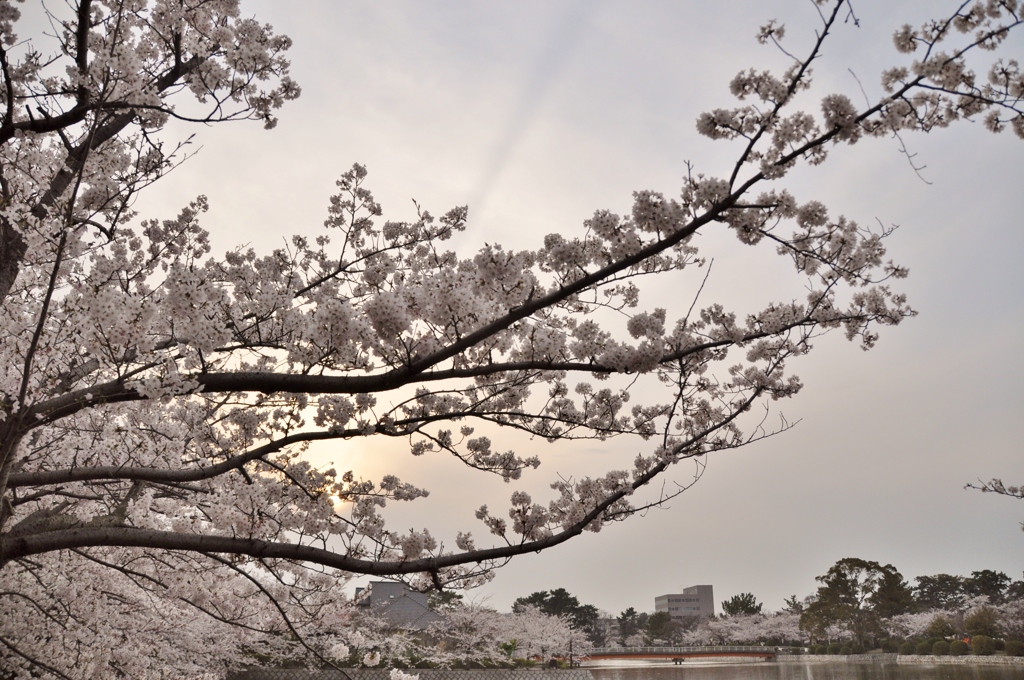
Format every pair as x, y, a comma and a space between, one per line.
468, 633
474, 632
536, 633
916, 624
770, 628
1012, 619
156, 401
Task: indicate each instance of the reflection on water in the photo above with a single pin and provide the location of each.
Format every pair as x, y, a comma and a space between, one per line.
812, 670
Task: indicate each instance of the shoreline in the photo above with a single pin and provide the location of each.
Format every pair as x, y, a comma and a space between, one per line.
899, 659
907, 659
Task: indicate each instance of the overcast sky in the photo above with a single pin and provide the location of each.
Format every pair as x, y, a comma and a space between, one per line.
536, 114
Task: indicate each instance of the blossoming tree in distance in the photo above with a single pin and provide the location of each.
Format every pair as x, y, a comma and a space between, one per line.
156, 400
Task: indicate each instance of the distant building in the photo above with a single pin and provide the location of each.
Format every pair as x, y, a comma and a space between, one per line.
396, 604
695, 601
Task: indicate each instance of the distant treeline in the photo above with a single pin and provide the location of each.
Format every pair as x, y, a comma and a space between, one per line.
859, 605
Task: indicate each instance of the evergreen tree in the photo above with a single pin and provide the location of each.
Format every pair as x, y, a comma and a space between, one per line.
941, 591
744, 603
987, 583
854, 594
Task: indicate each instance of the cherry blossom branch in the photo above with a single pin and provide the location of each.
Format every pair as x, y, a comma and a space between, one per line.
32, 660
84, 107
82, 47
48, 296
14, 547
794, 81
48, 411
996, 486
161, 475
280, 610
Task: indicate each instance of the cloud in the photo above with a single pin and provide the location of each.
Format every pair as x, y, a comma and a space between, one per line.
549, 66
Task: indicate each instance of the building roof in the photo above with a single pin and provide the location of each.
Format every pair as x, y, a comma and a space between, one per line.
397, 604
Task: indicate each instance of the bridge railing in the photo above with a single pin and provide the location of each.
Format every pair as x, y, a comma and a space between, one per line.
718, 649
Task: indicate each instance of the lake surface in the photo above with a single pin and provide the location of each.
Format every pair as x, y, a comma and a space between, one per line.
810, 670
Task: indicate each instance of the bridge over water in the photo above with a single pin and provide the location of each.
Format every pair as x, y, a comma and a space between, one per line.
679, 654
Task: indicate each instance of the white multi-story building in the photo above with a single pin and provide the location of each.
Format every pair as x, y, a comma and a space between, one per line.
695, 601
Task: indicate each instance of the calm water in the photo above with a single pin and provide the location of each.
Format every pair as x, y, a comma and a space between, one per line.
813, 670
